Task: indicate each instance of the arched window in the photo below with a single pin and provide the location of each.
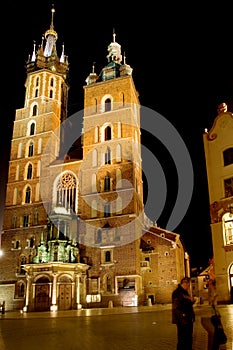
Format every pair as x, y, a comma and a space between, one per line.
228, 156
32, 129
107, 133
34, 110
30, 149
51, 93
66, 191
28, 195
108, 156
108, 105
29, 171
36, 93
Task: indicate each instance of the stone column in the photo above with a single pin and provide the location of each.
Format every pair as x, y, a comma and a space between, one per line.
79, 306
28, 287
54, 306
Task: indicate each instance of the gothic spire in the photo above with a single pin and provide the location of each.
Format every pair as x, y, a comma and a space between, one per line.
51, 37
46, 54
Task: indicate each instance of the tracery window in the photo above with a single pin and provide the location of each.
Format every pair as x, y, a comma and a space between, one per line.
66, 191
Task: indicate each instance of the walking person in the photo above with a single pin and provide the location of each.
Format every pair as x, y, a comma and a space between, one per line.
183, 314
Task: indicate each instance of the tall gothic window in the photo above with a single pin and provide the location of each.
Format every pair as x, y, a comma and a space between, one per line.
34, 110
30, 149
107, 133
66, 192
29, 171
32, 129
28, 195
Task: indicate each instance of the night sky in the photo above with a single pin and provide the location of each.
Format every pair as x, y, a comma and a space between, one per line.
182, 68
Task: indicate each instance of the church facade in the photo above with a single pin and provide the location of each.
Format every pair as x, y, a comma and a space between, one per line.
75, 233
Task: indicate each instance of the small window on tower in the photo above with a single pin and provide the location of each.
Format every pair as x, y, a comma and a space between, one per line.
25, 220
30, 149
32, 129
108, 106
29, 171
34, 111
28, 195
107, 133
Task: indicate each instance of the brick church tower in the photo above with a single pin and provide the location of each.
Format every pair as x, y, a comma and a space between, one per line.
75, 233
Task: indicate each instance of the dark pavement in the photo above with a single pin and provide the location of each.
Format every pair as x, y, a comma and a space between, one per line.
126, 328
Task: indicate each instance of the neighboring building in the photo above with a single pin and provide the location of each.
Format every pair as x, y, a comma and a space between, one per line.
75, 233
218, 147
200, 284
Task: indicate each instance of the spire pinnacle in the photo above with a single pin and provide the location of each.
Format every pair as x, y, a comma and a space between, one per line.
34, 52
53, 11
124, 58
114, 35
